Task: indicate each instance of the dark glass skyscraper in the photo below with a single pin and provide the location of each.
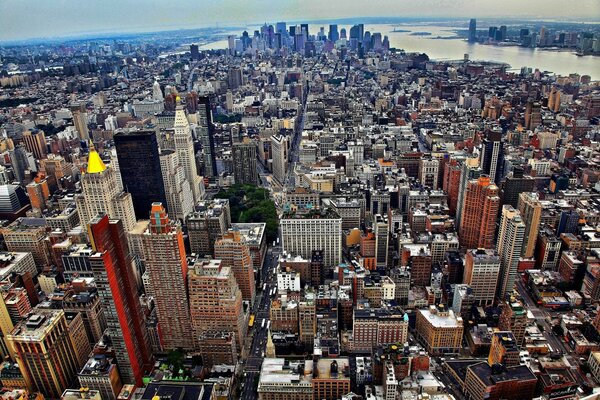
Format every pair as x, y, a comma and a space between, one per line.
139, 163
492, 158
207, 135
473, 30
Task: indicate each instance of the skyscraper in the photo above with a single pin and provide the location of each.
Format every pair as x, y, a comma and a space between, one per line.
244, 162
492, 156
232, 250
114, 277
510, 243
178, 193
184, 146
166, 265
531, 212
80, 121
533, 114
333, 34
46, 352
101, 194
381, 230
515, 184
35, 143
215, 300
469, 169
473, 30
207, 136
482, 267
303, 231
279, 152
139, 164
194, 53
234, 78
480, 212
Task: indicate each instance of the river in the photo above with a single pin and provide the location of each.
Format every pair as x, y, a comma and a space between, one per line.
558, 62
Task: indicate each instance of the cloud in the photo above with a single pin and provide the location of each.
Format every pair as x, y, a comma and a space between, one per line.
27, 19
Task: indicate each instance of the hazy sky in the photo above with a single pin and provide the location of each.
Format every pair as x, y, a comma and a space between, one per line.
46, 18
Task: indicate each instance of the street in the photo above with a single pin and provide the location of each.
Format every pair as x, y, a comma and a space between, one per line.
258, 334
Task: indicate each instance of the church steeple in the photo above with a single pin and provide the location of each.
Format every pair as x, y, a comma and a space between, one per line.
270, 351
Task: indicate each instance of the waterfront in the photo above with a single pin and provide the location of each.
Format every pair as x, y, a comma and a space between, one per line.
441, 45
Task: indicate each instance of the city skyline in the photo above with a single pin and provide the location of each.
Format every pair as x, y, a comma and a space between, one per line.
24, 20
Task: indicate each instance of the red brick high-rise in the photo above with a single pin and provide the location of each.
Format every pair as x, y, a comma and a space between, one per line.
233, 251
167, 268
480, 214
114, 277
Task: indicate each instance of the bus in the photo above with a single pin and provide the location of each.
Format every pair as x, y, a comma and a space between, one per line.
264, 287
262, 326
251, 321
269, 325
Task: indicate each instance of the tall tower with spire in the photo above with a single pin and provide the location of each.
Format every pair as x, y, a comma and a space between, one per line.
102, 194
270, 351
184, 146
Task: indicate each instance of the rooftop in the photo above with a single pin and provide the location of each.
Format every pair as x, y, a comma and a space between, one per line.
279, 371
443, 319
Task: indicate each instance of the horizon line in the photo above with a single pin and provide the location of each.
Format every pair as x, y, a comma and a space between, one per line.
231, 25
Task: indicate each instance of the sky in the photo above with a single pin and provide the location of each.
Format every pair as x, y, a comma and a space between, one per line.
23, 19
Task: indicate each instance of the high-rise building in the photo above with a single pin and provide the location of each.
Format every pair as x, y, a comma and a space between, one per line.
244, 162
115, 281
472, 30
279, 150
531, 212
46, 352
101, 194
379, 326
207, 136
469, 169
102, 374
194, 53
234, 78
167, 268
140, 169
492, 156
35, 143
479, 215
429, 172
6, 327
333, 34
515, 184
178, 193
184, 146
381, 229
28, 235
233, 251
215, 300
306, 230
533, 115
482, 267
509, 246
80, 120
513, 318
439, 330
90, 306
207, 224
504, 349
